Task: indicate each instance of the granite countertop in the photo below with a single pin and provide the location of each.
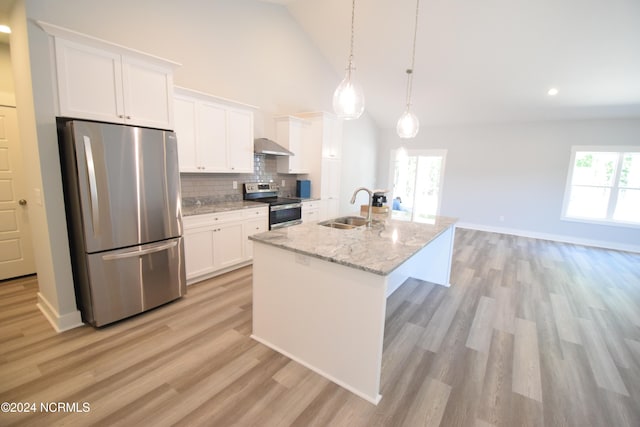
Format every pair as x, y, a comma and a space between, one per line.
207, 208
379, 249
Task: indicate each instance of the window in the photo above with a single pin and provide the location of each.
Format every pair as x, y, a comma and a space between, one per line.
603, 185
417, 182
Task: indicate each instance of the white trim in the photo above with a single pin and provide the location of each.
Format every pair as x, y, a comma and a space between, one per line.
553, 237
7, 99
184, 91
618, 149
393, 153
60, 323
612, 223
197, 279
85, 39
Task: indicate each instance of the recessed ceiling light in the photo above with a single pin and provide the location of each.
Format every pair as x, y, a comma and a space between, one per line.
552, 92
5, 29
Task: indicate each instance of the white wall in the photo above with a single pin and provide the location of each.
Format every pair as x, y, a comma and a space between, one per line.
245, 50
519, 171
37, 131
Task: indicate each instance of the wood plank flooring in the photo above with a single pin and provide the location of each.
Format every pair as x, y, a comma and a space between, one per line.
531, 333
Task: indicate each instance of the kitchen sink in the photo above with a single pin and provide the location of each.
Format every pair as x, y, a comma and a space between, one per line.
345, 222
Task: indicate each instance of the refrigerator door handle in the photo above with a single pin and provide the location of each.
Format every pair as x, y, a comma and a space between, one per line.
93, 186
140, 252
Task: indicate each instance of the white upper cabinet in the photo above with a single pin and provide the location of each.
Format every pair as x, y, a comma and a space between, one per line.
323, 151
100, 81
148, 93
293, 134
326, 133
240, 140
214, 135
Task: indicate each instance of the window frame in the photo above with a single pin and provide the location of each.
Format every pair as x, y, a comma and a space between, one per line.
425, 152
620, 150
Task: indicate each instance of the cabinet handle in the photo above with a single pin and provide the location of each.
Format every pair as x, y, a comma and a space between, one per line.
129, 117
121, 116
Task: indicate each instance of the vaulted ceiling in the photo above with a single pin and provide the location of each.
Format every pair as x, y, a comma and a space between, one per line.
490, 61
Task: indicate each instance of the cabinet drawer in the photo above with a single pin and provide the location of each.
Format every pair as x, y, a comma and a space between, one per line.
256, 212
310, 205
194, 221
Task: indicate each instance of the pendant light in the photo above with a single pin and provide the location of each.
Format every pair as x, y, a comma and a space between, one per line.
348, 99
408, 124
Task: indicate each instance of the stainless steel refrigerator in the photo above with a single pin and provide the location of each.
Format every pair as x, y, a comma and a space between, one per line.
122, 196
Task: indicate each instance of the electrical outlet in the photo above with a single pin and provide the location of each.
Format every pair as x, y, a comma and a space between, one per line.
235, 185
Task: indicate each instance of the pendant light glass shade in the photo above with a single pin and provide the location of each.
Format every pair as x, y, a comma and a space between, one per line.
348, 99
408, 125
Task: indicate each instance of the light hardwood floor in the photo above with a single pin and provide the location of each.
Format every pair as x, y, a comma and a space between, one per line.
531, 333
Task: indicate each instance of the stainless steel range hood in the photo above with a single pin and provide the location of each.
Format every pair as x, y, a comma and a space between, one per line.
267, 146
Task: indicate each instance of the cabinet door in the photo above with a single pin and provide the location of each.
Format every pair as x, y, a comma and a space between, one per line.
330, 191
292, 133
331, 209
310, 215
331, 137
212, 137
240, 141
89, 82
228, 245
185, 124
198, 252
148, 94
252, 227
330, 178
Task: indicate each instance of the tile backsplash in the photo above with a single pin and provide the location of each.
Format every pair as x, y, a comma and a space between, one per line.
218, 187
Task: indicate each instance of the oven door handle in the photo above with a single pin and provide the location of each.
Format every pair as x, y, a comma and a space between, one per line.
286, 224
283, 207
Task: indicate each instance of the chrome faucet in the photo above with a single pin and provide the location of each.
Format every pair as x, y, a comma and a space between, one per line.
370, 192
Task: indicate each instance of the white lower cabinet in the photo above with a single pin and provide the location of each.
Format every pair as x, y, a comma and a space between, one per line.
228, 245
217, 243
251, 227
311, 211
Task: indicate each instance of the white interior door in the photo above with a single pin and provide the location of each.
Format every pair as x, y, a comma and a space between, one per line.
16, 253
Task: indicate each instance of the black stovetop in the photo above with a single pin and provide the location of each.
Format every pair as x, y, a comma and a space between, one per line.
274, 201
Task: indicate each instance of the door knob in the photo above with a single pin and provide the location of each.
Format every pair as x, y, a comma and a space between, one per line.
22, 202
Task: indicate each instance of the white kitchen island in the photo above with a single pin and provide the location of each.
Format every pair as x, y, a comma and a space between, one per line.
319, 294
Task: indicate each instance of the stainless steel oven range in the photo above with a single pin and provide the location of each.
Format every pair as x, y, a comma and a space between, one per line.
283, 211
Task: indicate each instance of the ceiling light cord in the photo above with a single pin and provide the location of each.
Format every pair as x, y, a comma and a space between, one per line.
353, 20
408, 124
413, 56
348, 98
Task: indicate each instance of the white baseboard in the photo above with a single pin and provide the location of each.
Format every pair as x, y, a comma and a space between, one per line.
198, 279
552, 237
60, 323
